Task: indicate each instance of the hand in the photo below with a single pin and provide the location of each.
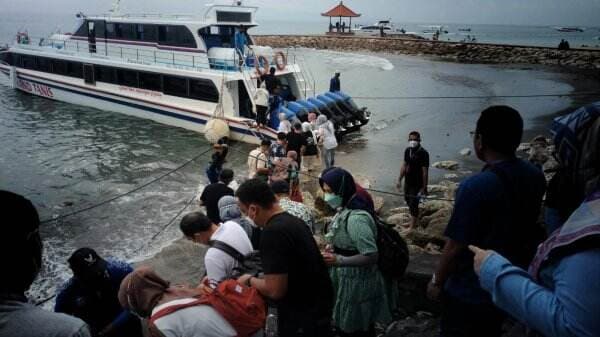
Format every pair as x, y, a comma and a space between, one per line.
479, 258
330, 259
399, 185
423, 192
433, 291
106, 331
244, 279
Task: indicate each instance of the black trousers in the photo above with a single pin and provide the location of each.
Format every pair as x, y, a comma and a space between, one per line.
462, 319
261, 114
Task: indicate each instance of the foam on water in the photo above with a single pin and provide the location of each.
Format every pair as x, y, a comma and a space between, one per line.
344, 60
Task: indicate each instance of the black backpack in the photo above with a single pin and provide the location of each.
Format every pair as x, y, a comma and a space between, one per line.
393, 254
249, 264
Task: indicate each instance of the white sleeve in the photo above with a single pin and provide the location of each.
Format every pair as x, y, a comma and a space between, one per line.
216, 265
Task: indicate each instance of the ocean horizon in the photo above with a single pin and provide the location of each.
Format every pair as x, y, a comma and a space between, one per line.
42, 25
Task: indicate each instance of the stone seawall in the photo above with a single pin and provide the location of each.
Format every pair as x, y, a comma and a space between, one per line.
452, 51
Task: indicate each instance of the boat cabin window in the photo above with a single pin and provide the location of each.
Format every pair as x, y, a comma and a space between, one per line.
178, 36
83, 29
221, 36
192, 88
125, 31
147, 33
110, 30
44, 64
105, 74
175, 86
99, 28
204, 90
74, 69
150, 81
127, 78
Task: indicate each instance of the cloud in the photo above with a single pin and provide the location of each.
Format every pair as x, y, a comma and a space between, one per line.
524, 12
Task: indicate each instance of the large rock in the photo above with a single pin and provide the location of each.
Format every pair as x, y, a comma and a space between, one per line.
180, 262
446, 165
398, 219
431, 206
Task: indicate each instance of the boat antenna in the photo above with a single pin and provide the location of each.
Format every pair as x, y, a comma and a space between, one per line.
116, 7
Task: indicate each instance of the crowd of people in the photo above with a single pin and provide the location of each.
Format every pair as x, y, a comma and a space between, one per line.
266, 274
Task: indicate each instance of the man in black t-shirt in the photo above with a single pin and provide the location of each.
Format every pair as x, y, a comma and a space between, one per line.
214, 192
296, 277
415, 170
296, 142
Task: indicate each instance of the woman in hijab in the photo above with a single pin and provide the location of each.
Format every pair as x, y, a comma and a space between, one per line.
145, 294
284, 125
229, 210
363, 295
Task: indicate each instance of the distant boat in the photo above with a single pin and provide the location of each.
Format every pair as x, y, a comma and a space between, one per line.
569, 29
387, 25
464, 29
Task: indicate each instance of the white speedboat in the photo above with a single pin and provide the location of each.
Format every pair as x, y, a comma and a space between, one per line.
569, 29
178, 70
376, 27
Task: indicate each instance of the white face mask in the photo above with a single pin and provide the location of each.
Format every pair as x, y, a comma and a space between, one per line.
413, 143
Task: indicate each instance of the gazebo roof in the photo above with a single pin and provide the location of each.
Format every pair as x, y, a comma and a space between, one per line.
341, 10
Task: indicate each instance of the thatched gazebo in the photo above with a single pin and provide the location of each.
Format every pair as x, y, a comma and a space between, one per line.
340, 11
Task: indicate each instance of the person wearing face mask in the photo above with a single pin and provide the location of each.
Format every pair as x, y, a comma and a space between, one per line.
363, 295
415, 172
219, 265
295, 276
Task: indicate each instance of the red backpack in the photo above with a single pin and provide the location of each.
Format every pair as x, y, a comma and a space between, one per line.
241, 306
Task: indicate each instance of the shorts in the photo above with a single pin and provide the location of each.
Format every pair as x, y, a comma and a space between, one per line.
412, 200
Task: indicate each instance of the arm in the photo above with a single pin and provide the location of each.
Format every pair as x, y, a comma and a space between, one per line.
446, 264
273, 286
425, 180
569, 310
356, 260
215, 264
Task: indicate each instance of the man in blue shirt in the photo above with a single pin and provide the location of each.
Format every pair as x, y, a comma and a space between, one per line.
91, 294
334, 84
495, 209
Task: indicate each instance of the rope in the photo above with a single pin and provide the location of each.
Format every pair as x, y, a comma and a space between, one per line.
591, 93
367, 189
107, 201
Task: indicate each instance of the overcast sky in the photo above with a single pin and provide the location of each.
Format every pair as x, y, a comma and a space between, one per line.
523, 12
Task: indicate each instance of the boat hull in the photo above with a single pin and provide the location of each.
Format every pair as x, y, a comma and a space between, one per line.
133, 106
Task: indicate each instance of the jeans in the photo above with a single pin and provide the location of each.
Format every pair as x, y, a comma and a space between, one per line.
328, 158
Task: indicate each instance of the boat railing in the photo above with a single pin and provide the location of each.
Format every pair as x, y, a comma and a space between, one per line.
145, 16
185, 60
134, 55
306, 77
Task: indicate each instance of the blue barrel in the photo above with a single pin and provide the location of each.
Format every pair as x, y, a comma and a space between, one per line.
300, 111
309, 106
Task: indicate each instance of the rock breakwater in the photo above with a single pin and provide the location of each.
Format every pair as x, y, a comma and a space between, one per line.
452, 51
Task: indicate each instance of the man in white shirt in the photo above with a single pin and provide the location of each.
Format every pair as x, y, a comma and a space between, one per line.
258, 161
219, 265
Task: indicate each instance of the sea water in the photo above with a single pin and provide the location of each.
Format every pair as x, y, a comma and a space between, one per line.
66, 157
